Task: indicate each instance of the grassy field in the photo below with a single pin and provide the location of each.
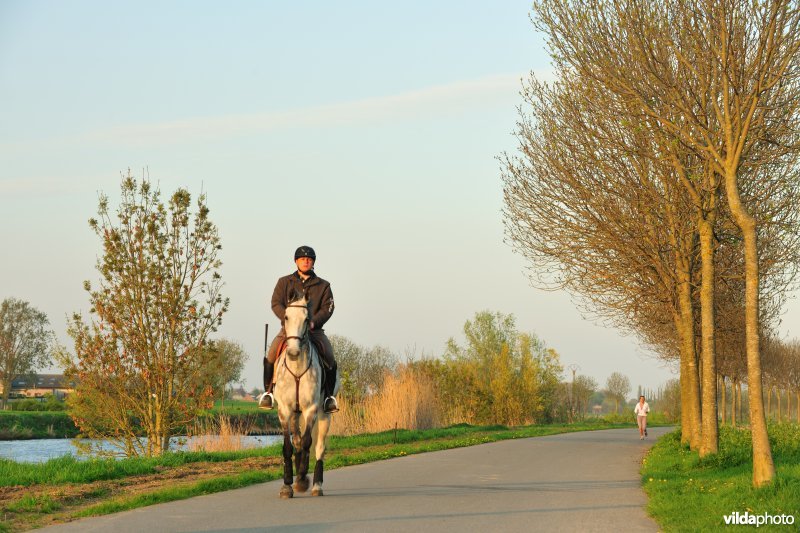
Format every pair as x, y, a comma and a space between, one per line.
35, 495
689, 494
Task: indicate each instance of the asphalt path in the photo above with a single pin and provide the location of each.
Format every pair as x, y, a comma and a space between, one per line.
585, 481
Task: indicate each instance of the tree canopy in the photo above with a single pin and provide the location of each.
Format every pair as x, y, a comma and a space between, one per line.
140, 359
25, 342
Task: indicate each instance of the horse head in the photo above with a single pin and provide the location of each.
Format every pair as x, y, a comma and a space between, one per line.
296, 325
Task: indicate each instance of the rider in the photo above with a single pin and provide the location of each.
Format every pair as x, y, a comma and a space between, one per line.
318, 291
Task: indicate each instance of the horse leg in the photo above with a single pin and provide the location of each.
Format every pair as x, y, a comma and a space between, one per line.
323, 425
301, 484
286, 490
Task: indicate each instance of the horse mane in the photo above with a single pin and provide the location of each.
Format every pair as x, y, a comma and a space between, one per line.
297, 297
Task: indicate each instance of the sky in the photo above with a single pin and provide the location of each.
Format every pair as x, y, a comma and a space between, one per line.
367, 130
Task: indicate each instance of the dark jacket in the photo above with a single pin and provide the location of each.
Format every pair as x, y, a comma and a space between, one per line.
317, 290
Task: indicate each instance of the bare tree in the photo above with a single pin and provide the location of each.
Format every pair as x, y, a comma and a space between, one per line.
618, 386
25, 342
363, 369
226, 360
721, 77
596, 211
583, 387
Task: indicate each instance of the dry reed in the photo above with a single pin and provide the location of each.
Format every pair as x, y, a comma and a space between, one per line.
220, 435
406, 400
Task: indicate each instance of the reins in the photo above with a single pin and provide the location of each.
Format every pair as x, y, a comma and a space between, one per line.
297, 382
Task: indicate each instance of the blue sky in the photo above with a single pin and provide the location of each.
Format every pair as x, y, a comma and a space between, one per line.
367, 130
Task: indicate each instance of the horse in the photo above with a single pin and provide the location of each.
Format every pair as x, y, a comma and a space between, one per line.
298, 392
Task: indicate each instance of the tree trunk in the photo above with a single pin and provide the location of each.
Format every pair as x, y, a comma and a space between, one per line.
709, 441
723, 399
769, 402
6, 383
690, 393
763, 466
741, 406
734, 384
788, 405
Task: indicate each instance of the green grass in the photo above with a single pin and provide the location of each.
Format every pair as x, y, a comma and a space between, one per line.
180, 493
687, 493
235, 406
34, 504
68, 469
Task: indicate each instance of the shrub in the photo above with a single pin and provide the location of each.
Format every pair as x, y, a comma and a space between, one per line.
36, 425
50, 403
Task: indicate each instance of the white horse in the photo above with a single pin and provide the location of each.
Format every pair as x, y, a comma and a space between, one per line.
298, 392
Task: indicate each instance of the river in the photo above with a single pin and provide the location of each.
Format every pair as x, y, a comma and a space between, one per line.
41, 450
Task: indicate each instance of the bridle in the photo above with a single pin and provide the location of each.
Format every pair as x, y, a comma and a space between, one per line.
303, 340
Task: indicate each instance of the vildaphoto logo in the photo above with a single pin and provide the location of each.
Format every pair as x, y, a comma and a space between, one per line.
748, 519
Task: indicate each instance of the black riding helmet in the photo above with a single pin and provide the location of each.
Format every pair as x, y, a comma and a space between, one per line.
305, 251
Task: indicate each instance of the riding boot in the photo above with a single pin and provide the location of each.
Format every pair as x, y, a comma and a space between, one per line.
266, 400
331, 406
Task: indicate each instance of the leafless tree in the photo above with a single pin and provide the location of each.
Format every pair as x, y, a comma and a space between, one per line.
721, 77
618, 386
595, 210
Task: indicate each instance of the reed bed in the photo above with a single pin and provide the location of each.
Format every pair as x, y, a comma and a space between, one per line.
407, 400
220, 434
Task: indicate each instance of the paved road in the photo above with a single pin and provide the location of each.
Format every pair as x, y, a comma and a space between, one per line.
585, 481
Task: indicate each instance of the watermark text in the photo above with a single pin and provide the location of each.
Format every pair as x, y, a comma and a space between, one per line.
750, 519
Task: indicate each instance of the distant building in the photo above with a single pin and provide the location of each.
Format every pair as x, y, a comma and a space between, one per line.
241, 394
40, 385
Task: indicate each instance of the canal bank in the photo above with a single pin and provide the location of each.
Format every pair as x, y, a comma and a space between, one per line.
23, 425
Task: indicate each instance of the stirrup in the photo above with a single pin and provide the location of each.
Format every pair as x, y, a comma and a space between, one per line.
266, 401
331, 406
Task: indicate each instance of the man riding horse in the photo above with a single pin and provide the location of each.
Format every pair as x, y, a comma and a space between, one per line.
318, 291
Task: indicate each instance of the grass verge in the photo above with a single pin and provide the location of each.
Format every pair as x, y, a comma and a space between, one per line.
687, 493
63, 489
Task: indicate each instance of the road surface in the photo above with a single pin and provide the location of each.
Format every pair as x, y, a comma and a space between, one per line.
585, 481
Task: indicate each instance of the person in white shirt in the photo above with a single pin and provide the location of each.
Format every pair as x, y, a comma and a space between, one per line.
641, 411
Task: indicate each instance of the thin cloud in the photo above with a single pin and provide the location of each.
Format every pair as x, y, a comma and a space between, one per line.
37, 186
455, 98
432, 101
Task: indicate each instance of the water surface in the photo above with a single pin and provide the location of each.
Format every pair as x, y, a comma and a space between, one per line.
41, 450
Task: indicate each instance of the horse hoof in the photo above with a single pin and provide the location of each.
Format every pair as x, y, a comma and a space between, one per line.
286, 492
301, 485
317, 491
